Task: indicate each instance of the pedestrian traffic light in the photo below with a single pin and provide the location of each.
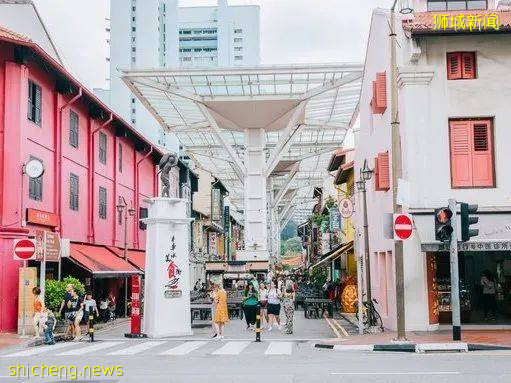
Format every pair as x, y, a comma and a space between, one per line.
443, 228
467, 220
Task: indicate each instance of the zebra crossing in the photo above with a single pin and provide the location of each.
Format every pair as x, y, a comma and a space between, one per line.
163, 348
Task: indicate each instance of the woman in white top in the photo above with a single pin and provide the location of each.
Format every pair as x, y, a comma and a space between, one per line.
274, 296
263, 303
489, 295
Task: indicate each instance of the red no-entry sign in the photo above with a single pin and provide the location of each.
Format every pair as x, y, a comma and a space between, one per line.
24, 249
403, 226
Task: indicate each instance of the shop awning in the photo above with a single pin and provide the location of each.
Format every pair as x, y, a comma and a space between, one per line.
135, 257
334, 254
100, 262
343, 173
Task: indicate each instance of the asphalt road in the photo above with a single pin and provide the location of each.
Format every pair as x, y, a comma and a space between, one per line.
279, 358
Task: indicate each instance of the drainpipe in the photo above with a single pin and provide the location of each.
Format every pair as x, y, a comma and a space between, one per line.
137, 212
91, 176
58, 156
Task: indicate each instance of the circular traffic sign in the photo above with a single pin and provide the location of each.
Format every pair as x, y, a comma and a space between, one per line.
34, 168
24, 249
403, 226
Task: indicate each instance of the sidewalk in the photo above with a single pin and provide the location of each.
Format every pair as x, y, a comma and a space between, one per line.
493, 337
10, 339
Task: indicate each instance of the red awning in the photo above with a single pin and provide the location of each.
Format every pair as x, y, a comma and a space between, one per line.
135, 257
100, 261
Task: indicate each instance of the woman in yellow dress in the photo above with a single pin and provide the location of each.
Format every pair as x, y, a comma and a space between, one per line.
221, 317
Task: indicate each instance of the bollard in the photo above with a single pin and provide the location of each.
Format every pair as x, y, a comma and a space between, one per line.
258, 328
91, 323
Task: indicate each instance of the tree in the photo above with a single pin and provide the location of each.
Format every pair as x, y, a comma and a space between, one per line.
55, 291
294, 245
289, 231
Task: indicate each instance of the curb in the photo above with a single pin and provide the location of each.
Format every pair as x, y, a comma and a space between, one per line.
413, 347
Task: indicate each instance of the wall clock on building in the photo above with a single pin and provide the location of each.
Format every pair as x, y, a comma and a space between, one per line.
34, 168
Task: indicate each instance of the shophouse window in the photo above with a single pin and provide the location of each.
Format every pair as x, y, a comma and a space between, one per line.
35, 186
102, 147
102, 202
456, 5
34, 102
143, 213
73, 129
461, 66
74, 185
471, 147
120, 157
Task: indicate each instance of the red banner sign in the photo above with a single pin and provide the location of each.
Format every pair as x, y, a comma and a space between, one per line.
135, 304
43, 218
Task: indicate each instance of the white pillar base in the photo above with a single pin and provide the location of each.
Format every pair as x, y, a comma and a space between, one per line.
167, 275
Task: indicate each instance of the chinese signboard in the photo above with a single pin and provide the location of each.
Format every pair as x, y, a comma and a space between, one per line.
173, 272
135, 304
490, 245
43, 218
469, 22
48, 245
216, 205
335, 219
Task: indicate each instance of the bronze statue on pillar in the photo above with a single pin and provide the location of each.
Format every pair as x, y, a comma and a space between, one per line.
167, 162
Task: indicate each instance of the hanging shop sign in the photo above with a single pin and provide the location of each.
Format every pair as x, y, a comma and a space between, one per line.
335, 219
135, 304
173, 272
346, 208
216, 208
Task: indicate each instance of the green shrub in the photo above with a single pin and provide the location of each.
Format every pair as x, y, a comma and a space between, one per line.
55, 291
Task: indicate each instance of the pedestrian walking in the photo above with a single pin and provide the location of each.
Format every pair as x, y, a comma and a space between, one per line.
49, 326
63, 311
489, 300
74, 315
221, 316
38, 311
273, 298
263, 304
288, 302
88, 304
104, 313
250, 304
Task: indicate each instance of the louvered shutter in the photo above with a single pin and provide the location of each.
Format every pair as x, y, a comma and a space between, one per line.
482, 154
468, 67
37, 103
454, 70
30, 102
461, 153
383, 171
376, 175
381, 91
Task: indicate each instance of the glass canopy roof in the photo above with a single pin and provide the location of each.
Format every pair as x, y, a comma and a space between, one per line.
177, 97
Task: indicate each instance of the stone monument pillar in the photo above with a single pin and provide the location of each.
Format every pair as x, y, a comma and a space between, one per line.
167, 285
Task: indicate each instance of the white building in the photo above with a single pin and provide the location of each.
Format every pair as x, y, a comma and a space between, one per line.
454, 134
159, 33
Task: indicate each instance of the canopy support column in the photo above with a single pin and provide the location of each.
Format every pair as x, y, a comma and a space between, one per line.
255, 198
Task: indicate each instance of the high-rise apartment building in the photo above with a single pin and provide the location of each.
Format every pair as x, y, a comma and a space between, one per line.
160, 33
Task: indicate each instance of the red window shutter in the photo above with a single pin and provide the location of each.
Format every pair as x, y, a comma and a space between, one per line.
454, 70
376, 175
381, 91
482, 154
383, 171
468, 68
461, 153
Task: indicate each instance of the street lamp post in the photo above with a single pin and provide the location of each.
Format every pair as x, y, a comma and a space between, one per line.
365, 175
121, 206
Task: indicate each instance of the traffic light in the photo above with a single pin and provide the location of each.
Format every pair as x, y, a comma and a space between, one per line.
443, 228
467, 220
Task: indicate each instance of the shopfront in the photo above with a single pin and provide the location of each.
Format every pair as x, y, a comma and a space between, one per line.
479, 304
